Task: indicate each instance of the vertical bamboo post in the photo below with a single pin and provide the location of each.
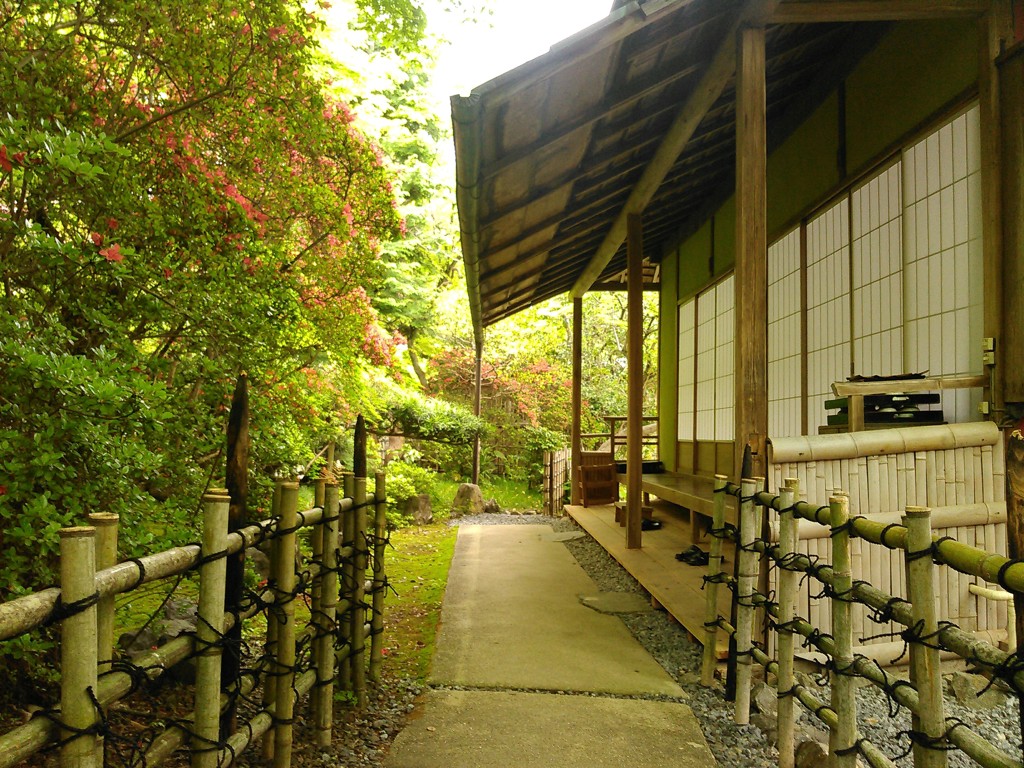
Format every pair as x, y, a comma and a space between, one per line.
380, 530
750, 524
347, 580
925, 669
357, 636
789, 581
212, 583
78, 647
844, 692
323, 709
106, 525
317, 597
707, 670
358, 633
284, 606
270, 650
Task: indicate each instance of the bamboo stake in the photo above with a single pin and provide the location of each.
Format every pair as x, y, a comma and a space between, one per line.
206, 727
707, 673
925, 669
750, 525
357, 655
270, 649
347, 580
844, 692
78, 647
323, 710
283, 665
317, 598
380, 530
788, 581
106, 525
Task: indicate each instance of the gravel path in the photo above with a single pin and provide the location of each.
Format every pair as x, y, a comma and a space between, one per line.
363, 738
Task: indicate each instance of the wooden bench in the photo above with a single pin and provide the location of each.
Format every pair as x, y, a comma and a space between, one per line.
694, 493
955, 469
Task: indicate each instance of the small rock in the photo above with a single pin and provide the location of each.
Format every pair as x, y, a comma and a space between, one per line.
766, 700
419, 509
966, 687
768, 725
491, 507
811, 754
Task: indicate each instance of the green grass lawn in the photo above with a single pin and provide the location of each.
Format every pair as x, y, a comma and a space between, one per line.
509, 494
417, 568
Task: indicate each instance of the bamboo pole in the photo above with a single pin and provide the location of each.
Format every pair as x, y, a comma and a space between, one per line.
707, 674
844, 691
925, 666
206, 726
317, 587
788, 585
748, 559
380, 530
106, 525
357, 655
345, 605
323, 712
270, 648
78, 647
283, 665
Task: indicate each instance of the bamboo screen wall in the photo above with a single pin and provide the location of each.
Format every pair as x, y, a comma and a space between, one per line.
955, 469
687, 368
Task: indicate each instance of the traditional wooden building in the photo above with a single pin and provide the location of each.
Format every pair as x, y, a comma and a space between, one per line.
821, 188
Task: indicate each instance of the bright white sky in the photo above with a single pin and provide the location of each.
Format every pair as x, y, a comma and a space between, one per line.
518, 31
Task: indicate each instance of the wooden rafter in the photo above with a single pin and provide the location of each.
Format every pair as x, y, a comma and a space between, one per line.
827, 11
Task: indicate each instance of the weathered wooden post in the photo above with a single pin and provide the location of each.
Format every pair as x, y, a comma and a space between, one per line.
788, 584
348, 570
844, 692
209, 640
357, 652
750, 524
106, 525
78, 647
380, 531
283, 665
270, 650
323, 707
925, 665
710, 660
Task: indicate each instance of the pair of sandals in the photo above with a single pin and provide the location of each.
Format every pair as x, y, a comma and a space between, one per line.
693, 556
650, 524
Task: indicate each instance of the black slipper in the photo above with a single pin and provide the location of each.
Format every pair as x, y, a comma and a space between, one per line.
650, 525
686, 554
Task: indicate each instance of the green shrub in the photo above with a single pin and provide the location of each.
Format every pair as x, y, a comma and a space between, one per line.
405, 481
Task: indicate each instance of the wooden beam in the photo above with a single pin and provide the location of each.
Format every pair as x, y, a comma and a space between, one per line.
751, 286
824, 11
703, 97
635, 381
577, 395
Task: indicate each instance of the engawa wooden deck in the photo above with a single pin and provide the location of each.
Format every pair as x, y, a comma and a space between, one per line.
673, 585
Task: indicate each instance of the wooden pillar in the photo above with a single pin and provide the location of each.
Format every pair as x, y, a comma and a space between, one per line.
635, 376
477, 402
1010, 344
575, 438
751, 311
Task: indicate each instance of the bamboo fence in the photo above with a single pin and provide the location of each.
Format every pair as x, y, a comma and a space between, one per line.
557, 474
927, 558
346, 607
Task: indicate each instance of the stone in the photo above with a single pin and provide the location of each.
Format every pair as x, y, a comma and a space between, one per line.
765, 699
768, 725
469, 500
811, 754
419, 509
491, 507
259, 561
965, 688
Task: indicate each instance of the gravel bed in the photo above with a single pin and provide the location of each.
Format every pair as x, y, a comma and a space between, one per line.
363, 738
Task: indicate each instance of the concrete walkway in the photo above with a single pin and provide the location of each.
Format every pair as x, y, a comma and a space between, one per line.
527, 675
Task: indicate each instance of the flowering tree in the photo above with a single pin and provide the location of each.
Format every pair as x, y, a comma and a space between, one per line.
180, 201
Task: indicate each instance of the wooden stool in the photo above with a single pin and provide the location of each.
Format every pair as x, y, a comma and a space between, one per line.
646, 512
